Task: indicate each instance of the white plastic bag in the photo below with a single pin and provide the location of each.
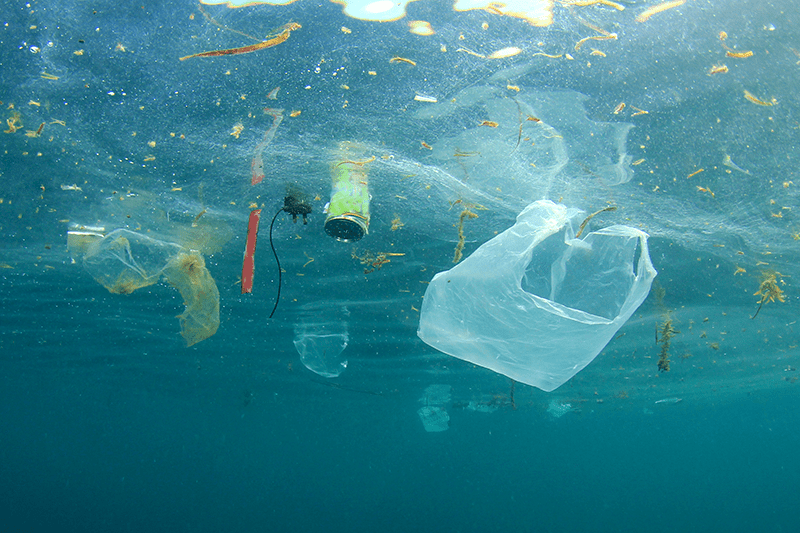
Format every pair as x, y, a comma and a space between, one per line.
534, 303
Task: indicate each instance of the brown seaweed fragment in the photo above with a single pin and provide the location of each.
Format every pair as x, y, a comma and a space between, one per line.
590, 217
465, 214
769, 290
664, 334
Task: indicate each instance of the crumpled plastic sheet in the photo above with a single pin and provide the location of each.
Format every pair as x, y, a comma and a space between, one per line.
124, 261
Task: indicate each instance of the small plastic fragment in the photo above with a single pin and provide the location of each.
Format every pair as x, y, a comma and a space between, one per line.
257, 165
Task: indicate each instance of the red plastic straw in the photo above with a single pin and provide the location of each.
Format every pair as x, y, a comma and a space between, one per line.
249, 265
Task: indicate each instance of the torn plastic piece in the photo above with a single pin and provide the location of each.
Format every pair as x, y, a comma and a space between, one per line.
433, 414
320, 345
436, 394
248, 265
534, 303
124, 261
257, 165
188, 273
558, 409
434, 418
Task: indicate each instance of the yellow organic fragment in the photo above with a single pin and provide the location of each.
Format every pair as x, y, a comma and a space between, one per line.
398, 59
749, 96
695, 173
535, 12
582, 3
610, 36
647, 13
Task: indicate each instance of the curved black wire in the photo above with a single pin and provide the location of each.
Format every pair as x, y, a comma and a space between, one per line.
278, 297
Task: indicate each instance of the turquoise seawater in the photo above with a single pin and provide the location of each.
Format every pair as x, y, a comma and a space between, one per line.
333, 415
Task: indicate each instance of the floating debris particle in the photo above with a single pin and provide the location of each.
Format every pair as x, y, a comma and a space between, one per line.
425, 98
769, 290
695, 173
285, 31
398, 59
420, 27
749, 96
669, 401
730, 164
610, 36
505, 52
659, 8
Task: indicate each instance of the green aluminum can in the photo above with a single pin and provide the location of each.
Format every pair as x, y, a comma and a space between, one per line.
348, 210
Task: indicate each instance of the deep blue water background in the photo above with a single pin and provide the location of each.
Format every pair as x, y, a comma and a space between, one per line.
99, 436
